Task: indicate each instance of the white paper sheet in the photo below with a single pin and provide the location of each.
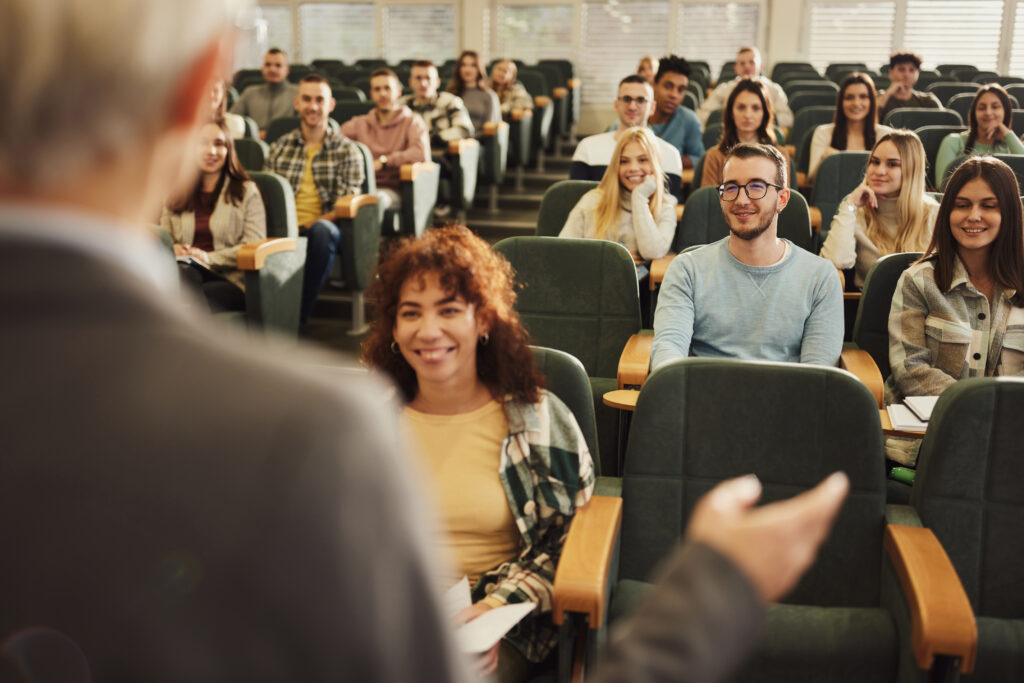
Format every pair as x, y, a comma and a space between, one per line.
487, 629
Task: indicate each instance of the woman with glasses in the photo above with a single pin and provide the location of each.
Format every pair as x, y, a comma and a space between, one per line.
748, 117
855, 123
888, 212
630, 205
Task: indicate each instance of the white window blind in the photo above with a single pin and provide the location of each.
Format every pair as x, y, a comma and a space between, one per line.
615, 36
1017, 53
346, 31
420, 32
850, 32
946, 32
532, 32
714, 32
279, 31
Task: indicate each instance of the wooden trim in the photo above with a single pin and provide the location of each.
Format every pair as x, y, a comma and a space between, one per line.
621, 399
659, 266
410, 172
349, 205
491, 128
252, 256
519, 113
456, 147
635, 361
815, 218
687, 176
862, 365
560, 93
842, 279
889, 430
791, 150
574, 83
541, 101
942, 621
585, 562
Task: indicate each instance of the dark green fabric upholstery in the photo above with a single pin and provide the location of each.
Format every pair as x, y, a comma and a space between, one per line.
837, 175
346, 109
360, 236
871, 328
567, 379
703, 222
805, 121
914, 118
281, 126
520, 140
252, 154
560, 119
946, 89
797, 86
1015, 162
347, 92
801, 99
536, 83
931, 138
558, 202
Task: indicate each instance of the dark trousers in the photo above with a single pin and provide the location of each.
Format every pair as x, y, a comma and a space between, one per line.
221, 294
323, 242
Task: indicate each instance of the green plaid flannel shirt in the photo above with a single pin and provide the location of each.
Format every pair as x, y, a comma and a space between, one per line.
547, 472
337, 167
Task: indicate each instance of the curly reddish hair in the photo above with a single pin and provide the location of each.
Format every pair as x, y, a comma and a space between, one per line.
466, 266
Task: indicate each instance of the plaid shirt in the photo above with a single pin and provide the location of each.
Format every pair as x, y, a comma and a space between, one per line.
337, 168
446, 117
936, 337
547, 473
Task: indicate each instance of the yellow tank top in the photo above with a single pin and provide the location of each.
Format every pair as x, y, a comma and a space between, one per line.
308, 206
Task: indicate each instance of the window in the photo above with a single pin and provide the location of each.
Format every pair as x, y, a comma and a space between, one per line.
530, 33
615, 36
850, 32
267, 27
346, 31
714, 32
420, 32
1017, 54
947, 32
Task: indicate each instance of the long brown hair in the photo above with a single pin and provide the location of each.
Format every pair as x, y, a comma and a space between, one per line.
457, 86
839, 118
765, 131
232, 173
972, 119
465, 266
609, 205
1006, 255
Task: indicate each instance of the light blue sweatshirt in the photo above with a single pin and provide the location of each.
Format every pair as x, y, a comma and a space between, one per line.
713, 305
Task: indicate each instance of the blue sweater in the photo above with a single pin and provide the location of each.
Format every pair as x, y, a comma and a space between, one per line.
713, 305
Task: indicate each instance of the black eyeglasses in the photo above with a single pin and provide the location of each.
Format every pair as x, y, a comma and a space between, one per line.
630, 100
755, 189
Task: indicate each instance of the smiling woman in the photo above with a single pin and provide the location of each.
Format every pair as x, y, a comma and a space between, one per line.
748, 117
989, 121
854, 125
506, 460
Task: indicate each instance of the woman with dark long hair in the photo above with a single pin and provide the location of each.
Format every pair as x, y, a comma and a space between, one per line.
469, 81
989, 132
854, 125
505, 458
748, 117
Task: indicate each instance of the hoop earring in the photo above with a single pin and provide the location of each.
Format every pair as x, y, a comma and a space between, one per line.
485, 338
394, 347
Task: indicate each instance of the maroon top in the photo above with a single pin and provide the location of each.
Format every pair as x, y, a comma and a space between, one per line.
203, 239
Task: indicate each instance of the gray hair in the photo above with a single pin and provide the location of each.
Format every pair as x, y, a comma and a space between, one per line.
84, 85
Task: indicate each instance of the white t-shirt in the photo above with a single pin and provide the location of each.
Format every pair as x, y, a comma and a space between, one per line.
597, 150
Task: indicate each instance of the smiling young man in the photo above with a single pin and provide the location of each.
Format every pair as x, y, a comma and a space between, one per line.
322, 165
633, 106
271, 99
748, 65
904, 70
751, 295
671, 121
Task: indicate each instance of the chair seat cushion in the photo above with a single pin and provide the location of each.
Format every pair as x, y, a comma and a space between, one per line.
1000, 650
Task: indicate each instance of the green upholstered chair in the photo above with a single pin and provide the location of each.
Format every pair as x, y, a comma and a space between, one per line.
1015, 162
252, 154
463, 158
812, 85
961, 104
781, 69
703, 222
944, 90
913, 118
274, 268
558, 203
281, 126
837, 175
969, 492
543, 113
804, 123
520, 143
580, 296
252, 129
871, 328
833, 70
801, 99
494, 155
931, 139
347, 92
348, 108
559, 94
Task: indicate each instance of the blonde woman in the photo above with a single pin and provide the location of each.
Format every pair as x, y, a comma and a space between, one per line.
511, 93
630, 205
648, 68
887, 213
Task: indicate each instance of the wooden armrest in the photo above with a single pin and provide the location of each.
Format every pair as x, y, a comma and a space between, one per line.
802, 181
252, 256
842, 279
518, 114
679, 211
412, 171
815, 218
559, 93
635, 361
687, 176
861, 364
586, 560
457, 146
942, 621
658, 268
574, 83
491, 128
349, 205
851, 296
791, 149
541, 101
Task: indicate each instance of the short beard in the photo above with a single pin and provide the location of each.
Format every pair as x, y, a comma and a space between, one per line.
753, 234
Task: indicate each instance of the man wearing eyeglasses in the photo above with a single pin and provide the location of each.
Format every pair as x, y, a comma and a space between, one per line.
751, 295
633, 106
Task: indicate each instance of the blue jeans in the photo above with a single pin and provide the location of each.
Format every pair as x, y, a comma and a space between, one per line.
323, 241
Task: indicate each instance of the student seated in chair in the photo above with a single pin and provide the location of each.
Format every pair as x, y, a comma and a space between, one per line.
904, 70
630, 206
445, 114
989, 120
270, 100
209, 223
511, 93
633, 107
505, 458
854, 125
321, 165
469, 82
748, 66
750, 295
670, 120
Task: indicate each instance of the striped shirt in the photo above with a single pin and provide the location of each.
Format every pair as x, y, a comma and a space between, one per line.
936, 337
338, 168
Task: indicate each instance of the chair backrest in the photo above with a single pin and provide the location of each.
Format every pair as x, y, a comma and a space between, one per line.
1015, 162
931, 139
948, 69
712, 134
833, 70
1016, 90
714, 117
793, 87
281, 126
871, 327
985, 77
251, 153
535, 82
690, 101
567, 379
346, 109
565, 65
579, 296
969, 489
700, 421
944, 90
912, 117
557, 203
802, 99
926, 78
703, 222
808, 119
279, 204
348, 92
961, 104
838, 174
781, 68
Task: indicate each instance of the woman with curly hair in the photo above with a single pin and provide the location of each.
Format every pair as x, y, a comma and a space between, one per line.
506, 459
